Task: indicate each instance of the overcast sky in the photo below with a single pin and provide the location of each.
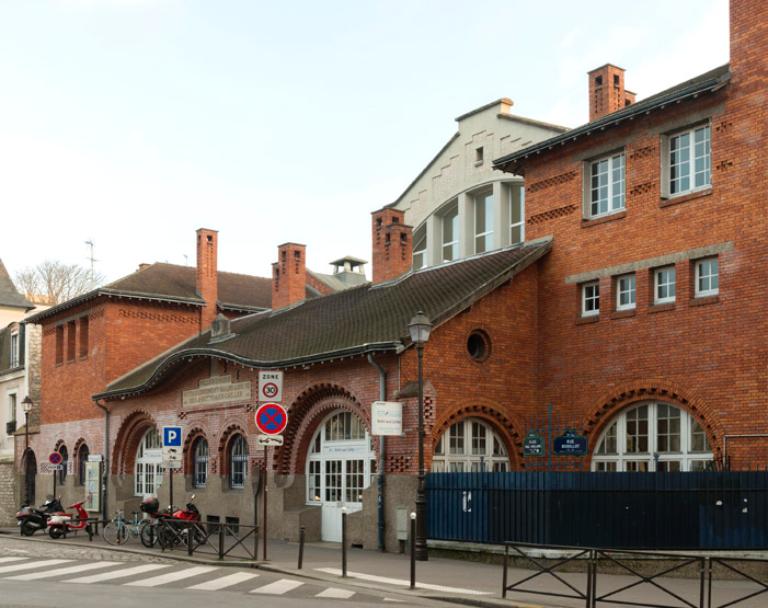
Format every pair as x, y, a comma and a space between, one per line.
134, 122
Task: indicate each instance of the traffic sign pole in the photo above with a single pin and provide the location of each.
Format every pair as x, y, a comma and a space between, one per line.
266, 494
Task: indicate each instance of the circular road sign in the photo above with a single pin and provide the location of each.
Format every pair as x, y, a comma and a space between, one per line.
269, 390
271, 418
55, 458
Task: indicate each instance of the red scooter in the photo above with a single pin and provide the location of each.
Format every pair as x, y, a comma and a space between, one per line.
60, 524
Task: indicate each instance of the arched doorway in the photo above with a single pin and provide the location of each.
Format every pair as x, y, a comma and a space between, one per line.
30, 476
340, 461
148, 470
652, 436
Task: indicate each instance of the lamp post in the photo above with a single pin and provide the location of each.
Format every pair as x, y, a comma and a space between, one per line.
26, 405
419, 328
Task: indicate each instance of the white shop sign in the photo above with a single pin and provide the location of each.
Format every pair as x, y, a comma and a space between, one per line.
386, 418
153, 456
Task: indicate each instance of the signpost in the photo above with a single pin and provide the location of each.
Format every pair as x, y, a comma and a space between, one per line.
171, 453
271, 420
386, 418
270, 386
55, 459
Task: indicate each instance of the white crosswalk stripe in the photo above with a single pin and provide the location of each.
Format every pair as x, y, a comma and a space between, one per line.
284, 585
171, 577
115, 574
336, 593
33, 565
224, 581
60, 571
5, 560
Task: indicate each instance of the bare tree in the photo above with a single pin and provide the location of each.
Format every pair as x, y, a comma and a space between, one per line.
56, 282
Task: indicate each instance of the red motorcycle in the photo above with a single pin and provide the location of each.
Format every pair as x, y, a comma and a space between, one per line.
60, 524
172, 528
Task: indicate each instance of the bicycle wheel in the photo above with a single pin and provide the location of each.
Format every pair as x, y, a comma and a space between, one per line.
114, 533
147, 534
167, 536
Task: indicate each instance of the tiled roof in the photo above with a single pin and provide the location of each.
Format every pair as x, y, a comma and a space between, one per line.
172, 283
368, 318
9, 295
705, 83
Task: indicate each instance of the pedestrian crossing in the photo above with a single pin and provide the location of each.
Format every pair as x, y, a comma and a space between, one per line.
177, 576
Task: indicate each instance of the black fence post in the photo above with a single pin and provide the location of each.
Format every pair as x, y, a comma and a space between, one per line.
504, 573
221, 541
594, 578
301, 547
344, 542
412, 538
190, 538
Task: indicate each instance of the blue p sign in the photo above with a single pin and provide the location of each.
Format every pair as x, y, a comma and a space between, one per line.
171, 436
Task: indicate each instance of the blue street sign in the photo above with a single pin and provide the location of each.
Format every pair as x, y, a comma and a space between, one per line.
571, 444
172, 436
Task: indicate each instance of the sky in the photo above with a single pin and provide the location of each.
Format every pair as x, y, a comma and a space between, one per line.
131, 123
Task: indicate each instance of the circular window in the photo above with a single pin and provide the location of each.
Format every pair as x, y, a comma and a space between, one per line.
479, 345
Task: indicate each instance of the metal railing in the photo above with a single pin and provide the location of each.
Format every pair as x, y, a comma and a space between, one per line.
586, 589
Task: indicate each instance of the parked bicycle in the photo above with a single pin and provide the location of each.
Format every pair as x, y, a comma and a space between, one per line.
172, 528
120, 530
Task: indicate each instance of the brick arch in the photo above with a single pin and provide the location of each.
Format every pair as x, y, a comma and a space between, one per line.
127, 442
488, 412
608, 406
60, 444
78, 444
305, 415
189, 446
222, 451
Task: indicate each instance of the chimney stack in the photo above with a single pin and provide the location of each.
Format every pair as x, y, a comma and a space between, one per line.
207, 277
289, 275
392, 245
606, 91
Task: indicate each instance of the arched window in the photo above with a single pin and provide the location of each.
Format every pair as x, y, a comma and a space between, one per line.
470, 446
82, 459
64, 464
238, 462
200, 459
652, 436
149, 470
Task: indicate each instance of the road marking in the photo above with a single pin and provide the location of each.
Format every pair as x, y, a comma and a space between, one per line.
171, 577
403, 582
284, 585
336, 593
32, 565
224, 581
391, 599
59, 571
5, 560
108, 576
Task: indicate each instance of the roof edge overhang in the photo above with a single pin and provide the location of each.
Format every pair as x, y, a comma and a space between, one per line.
177, 358
512, 163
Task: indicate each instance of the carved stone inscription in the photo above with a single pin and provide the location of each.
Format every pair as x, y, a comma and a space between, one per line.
218, 389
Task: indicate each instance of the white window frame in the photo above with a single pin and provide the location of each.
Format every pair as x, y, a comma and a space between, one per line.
624, 460
148, 476
615, 200
12, 404
200, 460
712, 277
594, 296
420, 254
657, 272
451, 214
462, 449
693, 154
15, 349
626, 284
238, 455
485, 197
520, 224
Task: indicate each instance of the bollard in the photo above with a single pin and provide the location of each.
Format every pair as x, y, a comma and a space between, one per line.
301, 547
190, 538
344, 541
413, 550
504, 575
221, 541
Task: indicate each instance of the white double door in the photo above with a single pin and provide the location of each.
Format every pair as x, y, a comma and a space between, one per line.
344, 481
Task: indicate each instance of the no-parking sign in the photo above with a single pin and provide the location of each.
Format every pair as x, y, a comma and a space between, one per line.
271, 386
271, 419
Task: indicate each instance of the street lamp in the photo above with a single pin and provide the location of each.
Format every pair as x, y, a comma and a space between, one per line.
26, 405
419, 328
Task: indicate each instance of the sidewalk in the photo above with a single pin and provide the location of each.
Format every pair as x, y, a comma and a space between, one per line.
464, 582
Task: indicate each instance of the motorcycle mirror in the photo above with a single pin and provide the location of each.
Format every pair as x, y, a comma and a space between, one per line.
192, 497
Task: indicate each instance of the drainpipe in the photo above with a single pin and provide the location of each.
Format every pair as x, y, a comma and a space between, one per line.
382, 452
105, 480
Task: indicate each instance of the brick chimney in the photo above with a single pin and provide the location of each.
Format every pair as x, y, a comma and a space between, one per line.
392, 242
606, 91
749, 43
207, 278
289, 275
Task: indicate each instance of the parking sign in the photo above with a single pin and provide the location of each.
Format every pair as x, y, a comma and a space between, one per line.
171, 436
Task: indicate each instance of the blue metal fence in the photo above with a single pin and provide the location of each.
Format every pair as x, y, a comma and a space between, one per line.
708, 510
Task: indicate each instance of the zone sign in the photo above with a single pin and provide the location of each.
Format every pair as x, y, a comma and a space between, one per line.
271, 419
271, 386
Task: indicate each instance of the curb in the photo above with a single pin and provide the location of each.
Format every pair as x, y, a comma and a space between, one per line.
463, 600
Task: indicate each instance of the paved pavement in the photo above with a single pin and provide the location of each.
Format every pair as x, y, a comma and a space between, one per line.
373, 577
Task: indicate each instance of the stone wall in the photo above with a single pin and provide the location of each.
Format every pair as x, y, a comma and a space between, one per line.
8, 500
